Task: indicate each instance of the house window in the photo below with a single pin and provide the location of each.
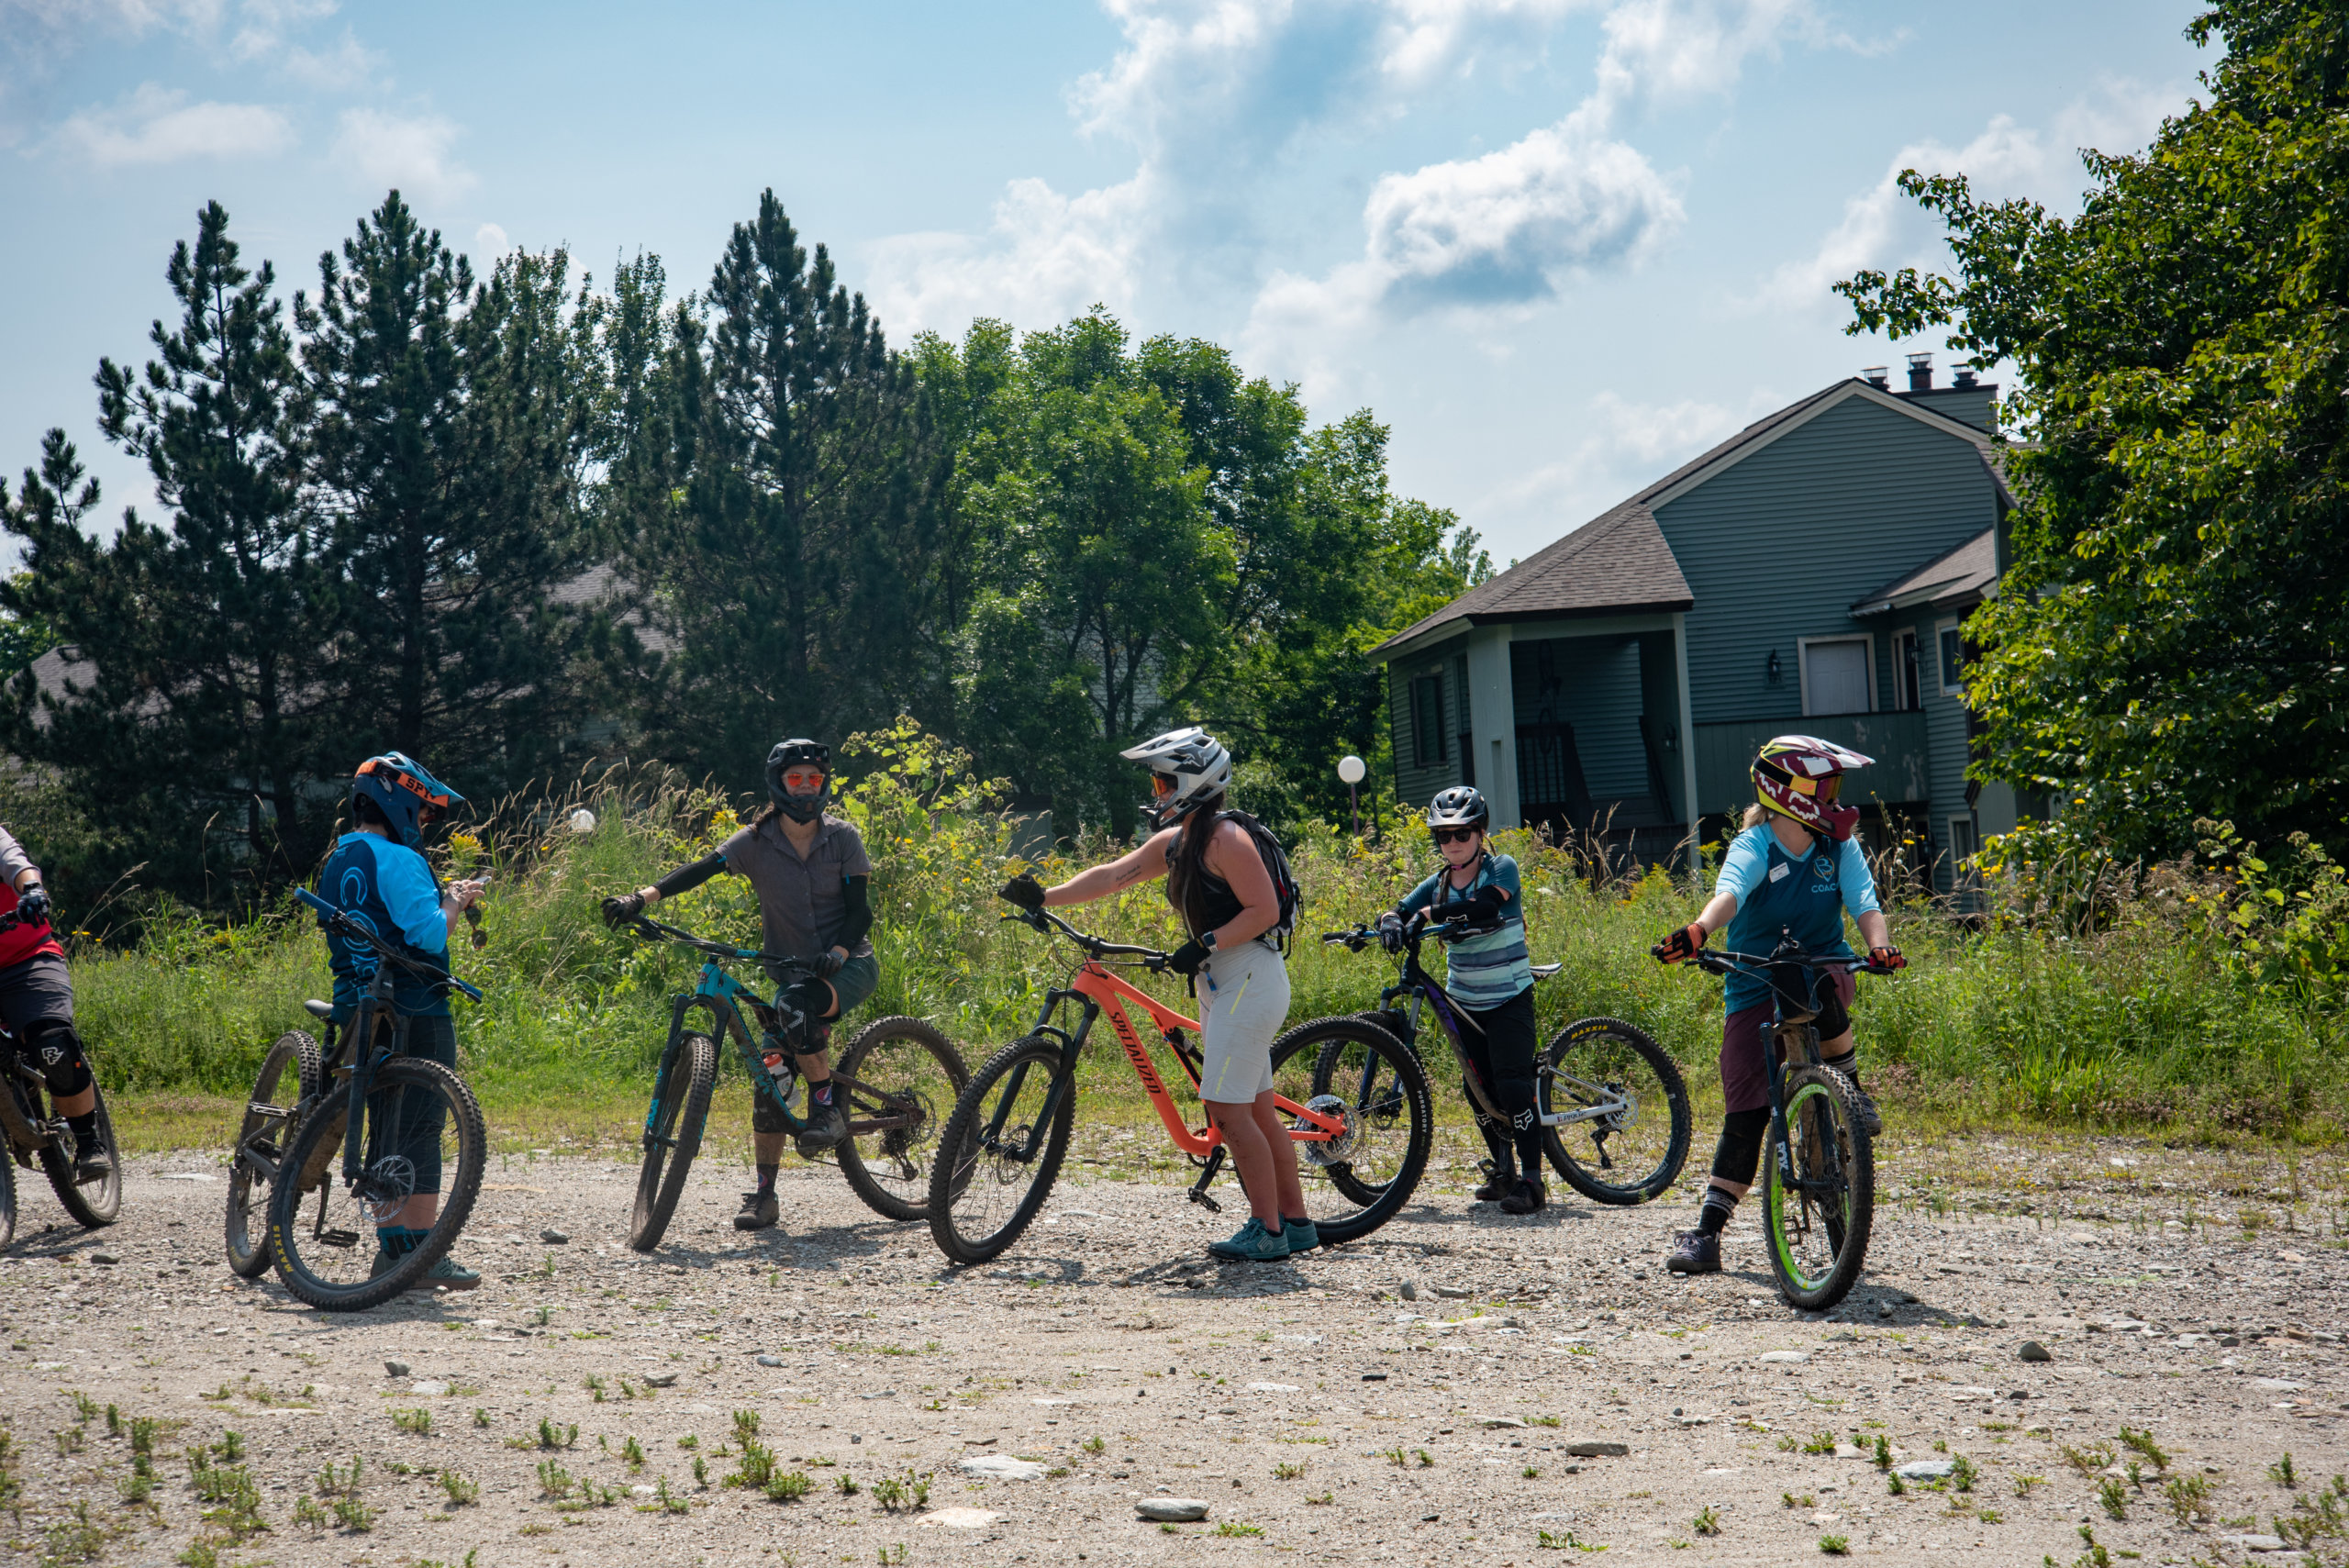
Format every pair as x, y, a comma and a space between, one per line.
1952, 660
1963, 845
1427, 720
1838, 674
1908, 691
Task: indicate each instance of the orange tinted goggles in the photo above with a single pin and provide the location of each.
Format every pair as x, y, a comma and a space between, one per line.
1161, 784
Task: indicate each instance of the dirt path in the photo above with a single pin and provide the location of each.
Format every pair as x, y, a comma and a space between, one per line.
1314, 1410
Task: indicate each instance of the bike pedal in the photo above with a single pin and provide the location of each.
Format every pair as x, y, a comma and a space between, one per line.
1210, 1204
337, 1238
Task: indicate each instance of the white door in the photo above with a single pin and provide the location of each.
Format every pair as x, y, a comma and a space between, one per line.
1835, 677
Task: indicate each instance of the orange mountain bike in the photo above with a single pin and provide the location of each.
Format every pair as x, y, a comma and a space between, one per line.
1002, 1147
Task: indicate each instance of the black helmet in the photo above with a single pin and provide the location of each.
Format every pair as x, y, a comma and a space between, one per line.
789, 754
1460, 806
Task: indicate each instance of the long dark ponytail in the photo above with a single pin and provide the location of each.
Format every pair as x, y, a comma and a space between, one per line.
1187, 868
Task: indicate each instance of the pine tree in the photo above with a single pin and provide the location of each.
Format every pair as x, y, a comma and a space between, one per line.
192, 712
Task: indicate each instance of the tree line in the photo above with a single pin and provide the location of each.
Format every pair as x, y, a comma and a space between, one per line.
517, 523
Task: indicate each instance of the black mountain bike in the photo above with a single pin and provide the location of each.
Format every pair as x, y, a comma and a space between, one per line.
900, 1076
365, 1105
36, 1135
1818, 1168
1615, 1119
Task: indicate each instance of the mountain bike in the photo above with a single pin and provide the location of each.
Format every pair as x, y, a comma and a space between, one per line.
1819, 1170
383, 1112
35, 1135
1614, 1110
1003, 1145
899, 1075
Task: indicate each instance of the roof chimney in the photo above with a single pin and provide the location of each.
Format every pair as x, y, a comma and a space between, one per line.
1920, 373
1964, 380
1878, 376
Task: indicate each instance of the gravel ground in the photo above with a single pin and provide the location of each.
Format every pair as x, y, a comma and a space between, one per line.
1316, 1407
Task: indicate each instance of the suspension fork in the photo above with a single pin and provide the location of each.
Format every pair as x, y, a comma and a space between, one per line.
1064, 1084
679, 1005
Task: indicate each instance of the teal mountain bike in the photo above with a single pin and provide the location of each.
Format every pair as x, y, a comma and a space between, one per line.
899, 1075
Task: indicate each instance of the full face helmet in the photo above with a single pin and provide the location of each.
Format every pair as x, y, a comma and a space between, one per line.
400, 787
1187, 767
799, 753
1459, 809
1802, 777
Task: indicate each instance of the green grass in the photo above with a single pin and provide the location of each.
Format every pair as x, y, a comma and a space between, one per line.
2142, 1022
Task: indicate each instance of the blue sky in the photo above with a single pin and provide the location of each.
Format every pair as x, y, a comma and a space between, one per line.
1558, 245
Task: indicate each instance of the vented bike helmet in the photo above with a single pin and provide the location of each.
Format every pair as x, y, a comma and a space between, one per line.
1461, 806
1802, 777
799, 753
407, 795
1186, 767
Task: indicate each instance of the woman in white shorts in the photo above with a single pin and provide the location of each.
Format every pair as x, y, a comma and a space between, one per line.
1217, 881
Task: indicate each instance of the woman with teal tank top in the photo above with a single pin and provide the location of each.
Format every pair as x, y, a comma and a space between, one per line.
1796, 868
1489, 976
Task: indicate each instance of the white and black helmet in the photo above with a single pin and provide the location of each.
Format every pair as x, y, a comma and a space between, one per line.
1187, 767
1461, 806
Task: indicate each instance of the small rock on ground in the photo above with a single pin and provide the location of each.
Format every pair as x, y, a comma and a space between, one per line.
1172, 1510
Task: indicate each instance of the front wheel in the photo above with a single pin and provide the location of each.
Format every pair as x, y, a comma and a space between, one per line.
905, 1078
1819, 1200
261, 1147
1627, 1124
99, 1201
1370, 1082
1001, 1150
671, 1136
420, 1135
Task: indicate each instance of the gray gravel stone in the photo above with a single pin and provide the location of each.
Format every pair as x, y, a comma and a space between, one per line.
395, 1368
1172, 1510
2033, 1351
1599, 1450
555, 1238
1927, 1469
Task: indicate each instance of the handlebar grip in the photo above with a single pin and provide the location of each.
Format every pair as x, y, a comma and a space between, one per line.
315, 902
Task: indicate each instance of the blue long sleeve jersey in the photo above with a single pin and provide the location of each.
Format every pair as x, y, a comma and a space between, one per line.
1808, 894
1483, 972
390, 890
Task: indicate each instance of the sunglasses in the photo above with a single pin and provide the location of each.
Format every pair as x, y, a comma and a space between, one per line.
1454, 835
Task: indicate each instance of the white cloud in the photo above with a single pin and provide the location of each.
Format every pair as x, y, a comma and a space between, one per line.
490, 242
157, 126
1621, 445
408, 153
1881, 227
264, 33
1045, 258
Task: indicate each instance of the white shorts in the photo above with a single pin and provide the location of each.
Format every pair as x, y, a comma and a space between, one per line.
1243, 1001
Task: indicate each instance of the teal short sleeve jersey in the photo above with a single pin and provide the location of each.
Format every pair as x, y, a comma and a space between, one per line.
1808, 895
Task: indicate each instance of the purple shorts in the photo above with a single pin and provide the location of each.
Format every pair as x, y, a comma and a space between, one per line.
1745, 1035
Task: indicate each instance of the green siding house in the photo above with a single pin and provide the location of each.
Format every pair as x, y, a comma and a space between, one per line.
1809, 574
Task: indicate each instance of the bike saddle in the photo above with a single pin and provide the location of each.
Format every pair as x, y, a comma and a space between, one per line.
1543, 970
318, 1009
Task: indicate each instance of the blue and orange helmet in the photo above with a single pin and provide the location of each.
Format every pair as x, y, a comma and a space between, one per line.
404, 790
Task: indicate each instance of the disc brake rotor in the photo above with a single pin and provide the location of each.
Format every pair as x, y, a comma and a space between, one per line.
1337, 1150
385, 1189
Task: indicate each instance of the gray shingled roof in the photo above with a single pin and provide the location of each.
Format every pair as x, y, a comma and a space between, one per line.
1969, 569
1639, 574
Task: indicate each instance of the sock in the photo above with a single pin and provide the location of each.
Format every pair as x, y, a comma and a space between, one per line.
820, 1093
86, 1129
766, 1179
1847, 1065
1714, 1216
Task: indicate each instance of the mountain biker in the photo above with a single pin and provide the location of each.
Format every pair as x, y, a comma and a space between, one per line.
1491, 978
1218, 880
813, 882
378, 873
36, 1005
1795, 867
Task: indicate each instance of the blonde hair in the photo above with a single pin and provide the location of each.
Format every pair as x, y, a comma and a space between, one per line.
1756, 814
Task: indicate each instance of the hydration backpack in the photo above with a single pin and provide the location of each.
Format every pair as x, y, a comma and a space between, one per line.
1276, 867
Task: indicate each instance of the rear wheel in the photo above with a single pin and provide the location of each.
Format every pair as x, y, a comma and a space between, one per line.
1001, 1151
289, 1074
1368, 1080
7, 1192
671, 1136
1818, 1205
1629, 1135
99, 1201
906, 1077
414, 1113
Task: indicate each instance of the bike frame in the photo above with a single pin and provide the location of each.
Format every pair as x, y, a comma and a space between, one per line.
1788, 1036
1096, 992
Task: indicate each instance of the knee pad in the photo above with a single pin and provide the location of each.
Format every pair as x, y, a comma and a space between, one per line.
813, 1000
765, 1115
56, 1050
1739, 1154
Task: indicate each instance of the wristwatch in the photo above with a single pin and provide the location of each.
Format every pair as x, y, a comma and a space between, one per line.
1208, 941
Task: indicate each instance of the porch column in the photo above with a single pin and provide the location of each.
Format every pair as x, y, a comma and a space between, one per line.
1690, 846
1492, 714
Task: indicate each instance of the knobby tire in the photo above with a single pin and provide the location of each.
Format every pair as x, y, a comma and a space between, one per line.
248, 1217
1573, 1150
890, 1169
966, 1175
1822, 1113
97, 1203
1385, 1088
682, 1092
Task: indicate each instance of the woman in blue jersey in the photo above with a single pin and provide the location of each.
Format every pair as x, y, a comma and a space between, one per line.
378, 875
1797, 867
1488, 975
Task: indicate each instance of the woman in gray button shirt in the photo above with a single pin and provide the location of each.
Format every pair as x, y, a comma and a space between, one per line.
813, 881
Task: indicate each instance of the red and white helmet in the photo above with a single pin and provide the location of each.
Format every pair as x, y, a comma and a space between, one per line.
1802, 776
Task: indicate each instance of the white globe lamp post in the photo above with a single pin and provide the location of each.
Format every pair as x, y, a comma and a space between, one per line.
1350, 770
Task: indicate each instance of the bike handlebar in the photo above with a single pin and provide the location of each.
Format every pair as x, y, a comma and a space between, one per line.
1047, 922
340, 922
645, 925
1362, 937
1726, 963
